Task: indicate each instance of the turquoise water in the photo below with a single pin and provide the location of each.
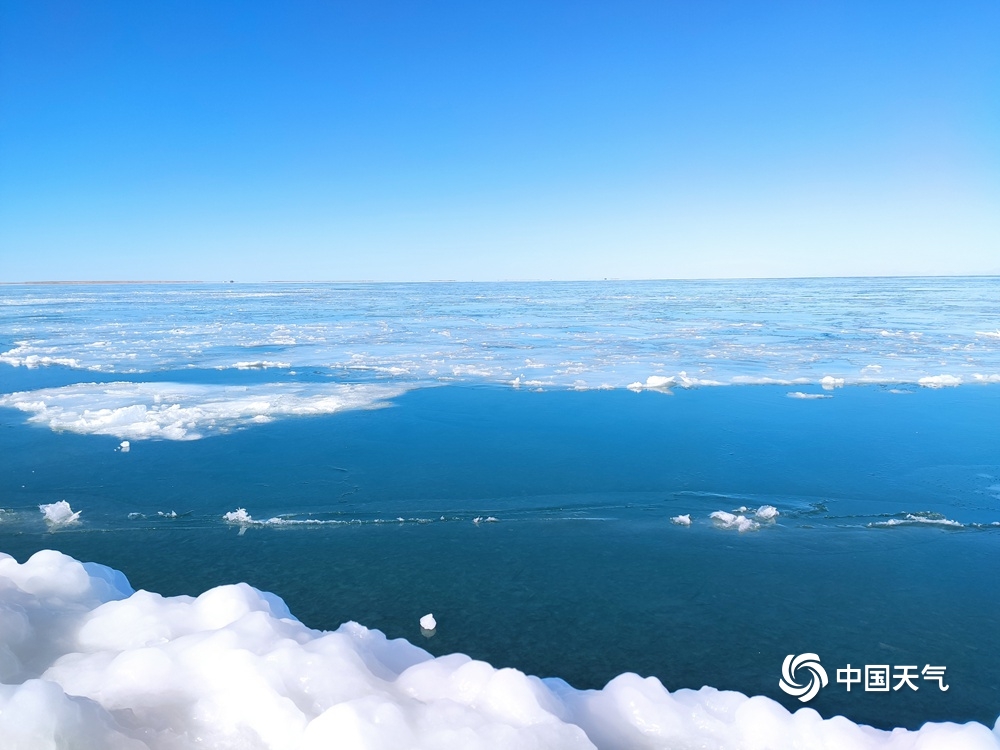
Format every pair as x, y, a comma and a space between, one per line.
884, 551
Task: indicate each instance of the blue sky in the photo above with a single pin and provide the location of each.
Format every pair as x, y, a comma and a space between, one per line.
412, 141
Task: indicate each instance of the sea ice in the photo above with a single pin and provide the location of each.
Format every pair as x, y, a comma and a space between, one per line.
684, 520
239, 516
59, 513
732, 521
124, 446
829, 382
185, 411
427, 622
939, 381
767, 513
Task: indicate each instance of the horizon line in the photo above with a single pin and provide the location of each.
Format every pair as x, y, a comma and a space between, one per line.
490, 281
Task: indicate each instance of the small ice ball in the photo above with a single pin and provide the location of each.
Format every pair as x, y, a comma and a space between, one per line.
427, 622
124, 446
684, 520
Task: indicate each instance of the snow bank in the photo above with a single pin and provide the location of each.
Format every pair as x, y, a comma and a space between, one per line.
85, 662
183, 411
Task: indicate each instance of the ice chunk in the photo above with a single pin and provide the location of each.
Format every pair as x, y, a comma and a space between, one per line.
732, 521
124, 446
767, 513
684, 520
59, 513
829, 382
939, 381
427, 622
239, 516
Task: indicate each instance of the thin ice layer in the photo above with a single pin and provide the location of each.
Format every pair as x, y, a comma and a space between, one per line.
83, 656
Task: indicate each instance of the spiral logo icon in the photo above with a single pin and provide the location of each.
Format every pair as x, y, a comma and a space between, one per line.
808, 663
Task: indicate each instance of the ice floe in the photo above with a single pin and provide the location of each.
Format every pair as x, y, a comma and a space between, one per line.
918, 519
183, 411
734, 521
59, 513
766, 513
939, 381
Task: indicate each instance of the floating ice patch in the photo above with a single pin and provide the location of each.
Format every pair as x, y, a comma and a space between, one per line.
664, 383
732, 521
800, 394
239, 516
939, 381
59, 514
917, 519
427, 622
89, 663
180, 411
24, 355
829, 382
260, 364
767, 513
684, 520
124, 446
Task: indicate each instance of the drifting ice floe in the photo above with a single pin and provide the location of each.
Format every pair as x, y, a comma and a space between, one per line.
183, 411
829, 382
124, 446
939, 381
916, 519
732, 521
427, 622
59, 514
684, 520
88, 663
767, 513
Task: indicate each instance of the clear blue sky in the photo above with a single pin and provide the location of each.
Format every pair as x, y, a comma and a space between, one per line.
513, 140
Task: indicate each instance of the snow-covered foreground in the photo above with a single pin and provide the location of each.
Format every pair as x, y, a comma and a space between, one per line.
85, 662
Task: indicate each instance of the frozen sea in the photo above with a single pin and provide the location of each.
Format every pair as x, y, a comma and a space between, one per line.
684, 480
